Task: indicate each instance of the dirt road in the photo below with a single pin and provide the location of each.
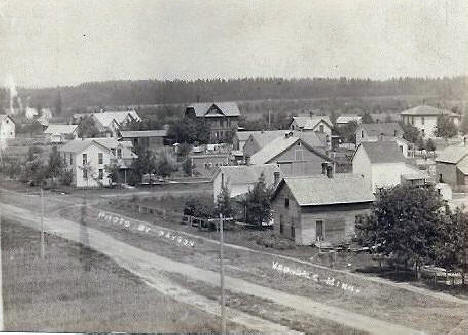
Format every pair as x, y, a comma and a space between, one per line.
147, 265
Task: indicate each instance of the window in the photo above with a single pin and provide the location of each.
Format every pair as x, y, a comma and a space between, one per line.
119, 153
281, 224
99, 155
113, 152
401, 148
286, 202
395, 133
362, 134
100, 174
293, 229
85, 159
221, 123
422, 132
422, 120
319, 230
71, 159
321, 128
299, 156
85, 174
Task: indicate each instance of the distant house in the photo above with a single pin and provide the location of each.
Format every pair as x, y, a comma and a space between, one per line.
377, 131
240, 179
259, 139
30, 113
424, 118
293, 154
452, 166
240, 138
152, 140
87, 159
113, 121
7, 127
58, 133
320, 208
381, 163
346, 119
207, 165
320, 124
221, 117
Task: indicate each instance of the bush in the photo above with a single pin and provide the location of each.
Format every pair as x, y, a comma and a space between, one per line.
200, 208
66, 178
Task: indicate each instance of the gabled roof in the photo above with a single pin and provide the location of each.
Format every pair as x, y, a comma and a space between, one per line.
278, 146
61, 129
244, 135
309, 122
264, 138
463, 165
106, 143
227, 108
343, 119
382, 152
452, 154
386, 129
5, 116
106, 118
143, 133
247, 174
321, 190
427, 110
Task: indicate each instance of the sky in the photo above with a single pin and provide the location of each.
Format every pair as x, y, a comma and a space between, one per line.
67, 42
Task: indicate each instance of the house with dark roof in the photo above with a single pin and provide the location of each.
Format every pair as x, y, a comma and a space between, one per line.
295, 155
377, 131
242, 178
424, 118
221, 117
452, 166
321, 208
152, 140
88, 158
381, 164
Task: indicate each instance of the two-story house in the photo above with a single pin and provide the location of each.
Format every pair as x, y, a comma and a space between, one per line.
221, 117
390, 131
319, 124
88, 158
424, 118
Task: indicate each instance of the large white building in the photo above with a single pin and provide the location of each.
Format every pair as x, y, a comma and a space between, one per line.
88, 158
382, 164
424, 118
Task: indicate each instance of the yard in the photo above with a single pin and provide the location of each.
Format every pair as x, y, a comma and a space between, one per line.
77, 289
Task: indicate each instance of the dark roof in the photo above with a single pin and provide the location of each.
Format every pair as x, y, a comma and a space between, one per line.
386, 129
143, 133
321, 190
452, 154
227, 108
383, 152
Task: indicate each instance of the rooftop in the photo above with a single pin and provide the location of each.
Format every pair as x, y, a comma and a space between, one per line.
106, 118
143, 133
61, 128
227, 108
343, 119
309, 122
386, 129
321, 190
248, 174
427, 110
383, 152
452, 154
79, 145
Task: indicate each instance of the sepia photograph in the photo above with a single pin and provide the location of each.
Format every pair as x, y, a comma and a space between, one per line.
234, 167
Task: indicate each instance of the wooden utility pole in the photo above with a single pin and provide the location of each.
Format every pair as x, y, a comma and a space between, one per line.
223, 302
2, 325
42, 224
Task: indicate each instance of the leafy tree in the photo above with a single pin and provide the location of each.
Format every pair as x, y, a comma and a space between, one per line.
165, 164
88, 128
257, 203
189, 130
184, 149
67, 177
224, 204
445, 127
450, 248
187, 166
430, 145
113, 172
410, 133
367, 118
56, 165
145, 163
405, 223
348, 132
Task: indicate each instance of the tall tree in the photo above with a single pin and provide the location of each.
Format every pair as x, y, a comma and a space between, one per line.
445, 127
257, 203
88, 128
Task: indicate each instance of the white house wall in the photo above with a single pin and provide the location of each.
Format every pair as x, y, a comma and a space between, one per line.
92, 152
7, 129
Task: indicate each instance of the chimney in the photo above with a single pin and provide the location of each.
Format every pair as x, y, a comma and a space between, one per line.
324, 168
330, 171
464, 140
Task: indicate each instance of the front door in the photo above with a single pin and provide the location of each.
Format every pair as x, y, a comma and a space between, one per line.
319, 230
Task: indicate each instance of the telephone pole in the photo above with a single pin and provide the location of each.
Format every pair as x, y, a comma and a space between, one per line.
223, 301
42, 224
2, 325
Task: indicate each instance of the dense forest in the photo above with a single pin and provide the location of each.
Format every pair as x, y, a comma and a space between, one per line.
151, 92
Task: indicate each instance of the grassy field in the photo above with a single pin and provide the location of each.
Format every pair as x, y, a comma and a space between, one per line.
77, 289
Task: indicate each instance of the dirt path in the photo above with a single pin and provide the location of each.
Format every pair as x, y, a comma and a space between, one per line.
146, 264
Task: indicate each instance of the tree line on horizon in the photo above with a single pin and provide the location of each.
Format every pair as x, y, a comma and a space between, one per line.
150, 92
